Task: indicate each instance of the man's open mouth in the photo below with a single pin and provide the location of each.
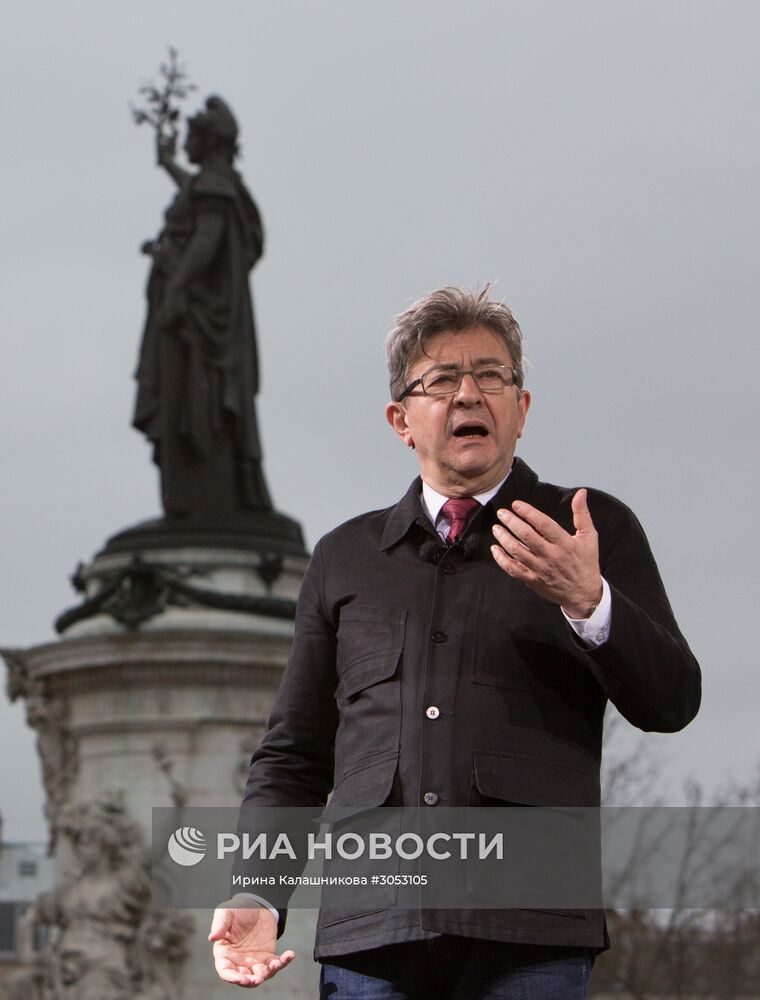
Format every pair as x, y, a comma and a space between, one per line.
470, 430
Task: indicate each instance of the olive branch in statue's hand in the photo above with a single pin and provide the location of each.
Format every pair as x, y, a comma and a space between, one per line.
159, 110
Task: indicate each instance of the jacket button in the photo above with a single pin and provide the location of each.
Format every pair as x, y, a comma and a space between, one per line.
430, 798
439, 637
432, 712
447, 568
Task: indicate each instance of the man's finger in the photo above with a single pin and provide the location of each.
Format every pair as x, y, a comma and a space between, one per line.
507, 541
502, 559
230, 976
220, 924
515, 549
227, 971
509, 564
223, 964
540, 522
260, 970
523, 531
581, 514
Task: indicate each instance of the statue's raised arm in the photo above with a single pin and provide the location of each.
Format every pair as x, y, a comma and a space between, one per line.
166, 148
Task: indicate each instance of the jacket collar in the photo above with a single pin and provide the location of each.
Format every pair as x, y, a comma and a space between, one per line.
518, 486
408, 510
401, 517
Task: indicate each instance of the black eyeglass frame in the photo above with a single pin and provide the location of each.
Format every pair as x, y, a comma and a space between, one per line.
461, 372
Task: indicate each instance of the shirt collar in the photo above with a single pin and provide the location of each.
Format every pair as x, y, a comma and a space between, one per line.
519, 483
432, 501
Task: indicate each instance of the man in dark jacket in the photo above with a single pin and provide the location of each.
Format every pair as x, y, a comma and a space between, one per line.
459, 648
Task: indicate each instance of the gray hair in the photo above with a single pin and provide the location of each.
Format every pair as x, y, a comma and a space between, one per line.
452, 308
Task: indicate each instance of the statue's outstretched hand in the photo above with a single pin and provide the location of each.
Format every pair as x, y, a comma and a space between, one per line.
244, 942
166, 147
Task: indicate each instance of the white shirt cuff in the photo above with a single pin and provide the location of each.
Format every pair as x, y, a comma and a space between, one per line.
595, 630
262, 903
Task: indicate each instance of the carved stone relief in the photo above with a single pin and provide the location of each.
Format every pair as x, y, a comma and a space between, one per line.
103, 941
58, 749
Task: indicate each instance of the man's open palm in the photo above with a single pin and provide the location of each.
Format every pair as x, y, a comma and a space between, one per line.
244, 946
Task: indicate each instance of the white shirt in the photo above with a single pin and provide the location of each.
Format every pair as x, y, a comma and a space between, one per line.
592, 631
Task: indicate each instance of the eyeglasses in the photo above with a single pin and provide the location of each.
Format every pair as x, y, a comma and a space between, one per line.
446, 381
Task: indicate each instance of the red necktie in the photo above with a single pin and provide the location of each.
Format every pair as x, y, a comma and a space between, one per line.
458, 510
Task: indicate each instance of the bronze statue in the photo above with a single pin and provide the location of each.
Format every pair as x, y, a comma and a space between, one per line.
198, 371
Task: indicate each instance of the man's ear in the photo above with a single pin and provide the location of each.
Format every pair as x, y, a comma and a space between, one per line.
395, 414
523, 405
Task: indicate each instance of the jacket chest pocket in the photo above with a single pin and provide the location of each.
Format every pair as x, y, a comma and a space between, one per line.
368, 696
511, 637
369, 649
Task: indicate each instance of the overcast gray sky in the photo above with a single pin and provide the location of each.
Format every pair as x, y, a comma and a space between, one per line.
598, 160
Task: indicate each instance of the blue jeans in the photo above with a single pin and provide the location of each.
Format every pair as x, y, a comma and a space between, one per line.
454, 968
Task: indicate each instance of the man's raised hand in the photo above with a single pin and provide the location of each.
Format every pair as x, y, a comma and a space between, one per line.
560, 567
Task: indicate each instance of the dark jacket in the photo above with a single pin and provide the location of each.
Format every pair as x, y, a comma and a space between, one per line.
383, 631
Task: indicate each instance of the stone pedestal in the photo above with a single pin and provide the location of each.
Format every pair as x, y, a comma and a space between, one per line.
159, 688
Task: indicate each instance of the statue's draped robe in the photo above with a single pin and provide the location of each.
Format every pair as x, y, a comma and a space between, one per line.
197, 379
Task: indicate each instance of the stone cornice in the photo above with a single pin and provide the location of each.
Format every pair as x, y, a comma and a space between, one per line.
165, 651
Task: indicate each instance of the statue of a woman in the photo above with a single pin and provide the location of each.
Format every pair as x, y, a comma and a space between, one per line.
198, 372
